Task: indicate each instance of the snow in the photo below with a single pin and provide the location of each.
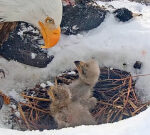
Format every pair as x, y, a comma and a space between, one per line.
49, 83
17, 114
43, 85
13, 106
113, 43
72, 73
33, 55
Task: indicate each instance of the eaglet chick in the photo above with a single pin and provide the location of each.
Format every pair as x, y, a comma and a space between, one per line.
82, 88
67, 113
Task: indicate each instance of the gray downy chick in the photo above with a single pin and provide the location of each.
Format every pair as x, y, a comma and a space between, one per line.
68, 113
74, 115
60, 97
82, 89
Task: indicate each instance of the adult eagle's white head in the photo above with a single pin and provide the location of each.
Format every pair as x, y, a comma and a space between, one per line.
44, 14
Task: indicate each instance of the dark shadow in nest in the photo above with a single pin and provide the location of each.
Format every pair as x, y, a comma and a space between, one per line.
115, 92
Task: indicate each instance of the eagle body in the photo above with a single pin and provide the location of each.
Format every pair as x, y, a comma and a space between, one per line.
5, 29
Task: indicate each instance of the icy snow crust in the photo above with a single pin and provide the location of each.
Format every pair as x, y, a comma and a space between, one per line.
112, 44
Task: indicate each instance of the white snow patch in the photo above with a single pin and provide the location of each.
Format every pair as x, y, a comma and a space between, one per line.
43, 85
111, 68
13, 106
72, 73
49, 83
15, 95
17, 114
33, 55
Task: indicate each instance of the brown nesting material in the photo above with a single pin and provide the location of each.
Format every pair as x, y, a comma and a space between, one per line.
115, 92
117, 98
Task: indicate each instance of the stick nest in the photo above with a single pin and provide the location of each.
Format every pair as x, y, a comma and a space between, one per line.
115, 92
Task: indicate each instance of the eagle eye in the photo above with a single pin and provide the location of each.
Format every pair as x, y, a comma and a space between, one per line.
49, 20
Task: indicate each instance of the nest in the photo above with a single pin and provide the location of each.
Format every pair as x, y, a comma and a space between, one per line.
115, 92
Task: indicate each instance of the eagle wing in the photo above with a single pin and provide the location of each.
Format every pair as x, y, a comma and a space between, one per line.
5, 29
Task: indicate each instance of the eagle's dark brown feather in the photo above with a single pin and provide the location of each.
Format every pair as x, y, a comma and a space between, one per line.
5, 29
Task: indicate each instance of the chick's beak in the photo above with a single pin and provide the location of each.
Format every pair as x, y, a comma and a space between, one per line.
51, 36
79, 65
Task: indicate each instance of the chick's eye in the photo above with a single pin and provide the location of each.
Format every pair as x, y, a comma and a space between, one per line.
55, 95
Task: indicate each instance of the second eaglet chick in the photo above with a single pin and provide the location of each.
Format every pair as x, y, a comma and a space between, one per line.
68, 113
82, 88
60, 98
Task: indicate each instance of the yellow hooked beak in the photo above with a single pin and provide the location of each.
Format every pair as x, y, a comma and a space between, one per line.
50, 34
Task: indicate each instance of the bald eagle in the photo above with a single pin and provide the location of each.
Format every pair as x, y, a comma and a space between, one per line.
46, 15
